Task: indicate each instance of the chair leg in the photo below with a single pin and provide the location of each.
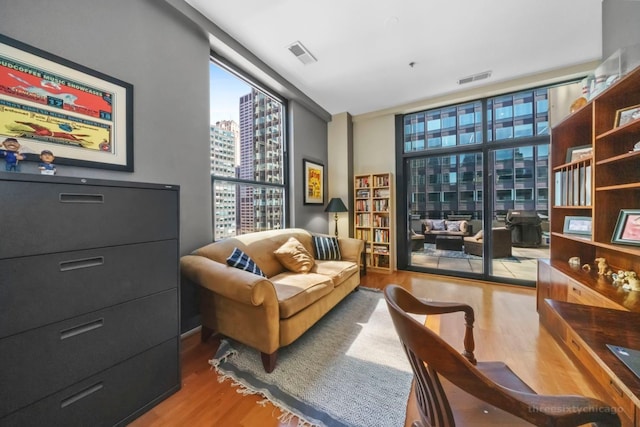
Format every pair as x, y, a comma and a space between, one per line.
269, 361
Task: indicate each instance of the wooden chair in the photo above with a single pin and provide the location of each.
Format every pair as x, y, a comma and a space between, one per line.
441, 372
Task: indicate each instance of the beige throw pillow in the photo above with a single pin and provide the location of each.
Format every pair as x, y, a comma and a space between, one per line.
294, 257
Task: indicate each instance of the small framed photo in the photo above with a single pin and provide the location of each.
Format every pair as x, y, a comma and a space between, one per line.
579, 153
627, 229
577, 225
313, 183
627, 115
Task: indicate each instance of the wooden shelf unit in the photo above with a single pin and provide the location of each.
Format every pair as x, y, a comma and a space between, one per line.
373, 221
613, 184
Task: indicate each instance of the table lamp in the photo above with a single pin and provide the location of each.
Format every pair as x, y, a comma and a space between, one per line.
336, 205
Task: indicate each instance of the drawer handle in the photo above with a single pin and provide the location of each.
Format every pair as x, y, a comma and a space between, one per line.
81, 395
615, 387
81, 329
75, 264
577, 291
81, 198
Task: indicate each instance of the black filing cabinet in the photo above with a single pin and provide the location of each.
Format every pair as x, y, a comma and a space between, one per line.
89, 312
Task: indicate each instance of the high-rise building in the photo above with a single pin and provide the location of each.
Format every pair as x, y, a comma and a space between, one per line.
261, 154
223, 141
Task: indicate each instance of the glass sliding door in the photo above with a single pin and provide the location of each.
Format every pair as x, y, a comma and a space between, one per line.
445, 205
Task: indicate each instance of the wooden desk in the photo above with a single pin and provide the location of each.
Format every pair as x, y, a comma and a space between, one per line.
585, 330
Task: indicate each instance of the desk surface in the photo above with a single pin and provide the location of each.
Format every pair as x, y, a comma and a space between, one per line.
599, 326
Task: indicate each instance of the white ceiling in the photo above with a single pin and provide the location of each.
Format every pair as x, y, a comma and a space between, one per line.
364, 47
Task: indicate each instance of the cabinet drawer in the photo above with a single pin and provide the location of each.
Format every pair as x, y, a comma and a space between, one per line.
44, 289
39, 218
583, 295
42, 361
102, 399
609, 385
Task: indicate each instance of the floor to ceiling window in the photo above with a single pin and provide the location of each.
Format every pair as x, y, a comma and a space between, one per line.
475, 183
248, 150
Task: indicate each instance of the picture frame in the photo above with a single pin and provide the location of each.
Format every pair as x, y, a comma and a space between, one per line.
578, 225
626, 115
627, 229
579, 153
313, 185
84, 117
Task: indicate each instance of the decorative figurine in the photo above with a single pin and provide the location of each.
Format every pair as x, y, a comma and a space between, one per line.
603, 268
46, 165
633, 281
11, 154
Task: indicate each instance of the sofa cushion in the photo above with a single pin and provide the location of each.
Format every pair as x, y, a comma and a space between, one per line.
293, 255
438, 224
453, 225
239, 259
296, 291
338, 271
326, 248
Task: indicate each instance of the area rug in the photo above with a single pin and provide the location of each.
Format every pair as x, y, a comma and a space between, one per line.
349, 369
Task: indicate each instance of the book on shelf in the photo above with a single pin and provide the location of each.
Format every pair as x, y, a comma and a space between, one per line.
587, 186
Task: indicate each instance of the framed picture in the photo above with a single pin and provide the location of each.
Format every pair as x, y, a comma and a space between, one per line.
578, 153
313, 183
627, 229
627, 115
577, 225
84, 117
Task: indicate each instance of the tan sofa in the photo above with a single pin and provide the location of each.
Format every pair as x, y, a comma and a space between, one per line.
273, 311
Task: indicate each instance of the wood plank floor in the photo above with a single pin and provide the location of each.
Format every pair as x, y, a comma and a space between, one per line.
506, 329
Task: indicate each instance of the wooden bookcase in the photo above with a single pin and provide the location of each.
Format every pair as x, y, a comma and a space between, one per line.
611, 177
597, 185
373, 219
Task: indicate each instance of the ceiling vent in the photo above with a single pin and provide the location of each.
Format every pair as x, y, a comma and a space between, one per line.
302, 53
475, 77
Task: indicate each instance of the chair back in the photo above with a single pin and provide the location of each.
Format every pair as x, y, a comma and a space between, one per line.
431, 358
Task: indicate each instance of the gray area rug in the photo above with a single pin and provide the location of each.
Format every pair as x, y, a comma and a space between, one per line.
349, 369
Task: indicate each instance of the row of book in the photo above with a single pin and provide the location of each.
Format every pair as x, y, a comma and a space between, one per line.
362, 182
381, 221
362, 194
573, 186
380, 235
362, 206
381, 205
381, 181
363, 220
363, 235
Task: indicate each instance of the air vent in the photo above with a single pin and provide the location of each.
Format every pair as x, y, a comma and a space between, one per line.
475, 77
302, 53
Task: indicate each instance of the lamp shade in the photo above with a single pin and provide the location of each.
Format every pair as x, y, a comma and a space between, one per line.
336, 205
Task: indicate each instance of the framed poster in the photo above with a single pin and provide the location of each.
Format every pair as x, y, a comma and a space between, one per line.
627, 115
313, 183
627, 229
579, 153
47, 103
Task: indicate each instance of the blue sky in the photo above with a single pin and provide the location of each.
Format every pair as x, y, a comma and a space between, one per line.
225, 92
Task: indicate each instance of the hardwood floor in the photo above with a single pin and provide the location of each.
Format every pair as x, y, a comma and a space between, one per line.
506, 329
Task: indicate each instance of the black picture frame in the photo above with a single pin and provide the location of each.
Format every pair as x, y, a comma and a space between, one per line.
578, 225
83, 116
313, 182
627, 230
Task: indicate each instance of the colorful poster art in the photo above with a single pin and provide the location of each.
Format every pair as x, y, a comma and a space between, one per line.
49, 103
313, 183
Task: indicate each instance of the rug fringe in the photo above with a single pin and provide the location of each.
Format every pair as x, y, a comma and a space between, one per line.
285, 416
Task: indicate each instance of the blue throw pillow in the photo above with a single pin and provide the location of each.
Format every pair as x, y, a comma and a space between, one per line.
326, 248
239, 259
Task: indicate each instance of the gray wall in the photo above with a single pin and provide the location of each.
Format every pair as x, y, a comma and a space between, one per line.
620, 27
309, 136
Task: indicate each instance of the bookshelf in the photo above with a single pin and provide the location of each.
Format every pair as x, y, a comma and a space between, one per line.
600, 180
374, 219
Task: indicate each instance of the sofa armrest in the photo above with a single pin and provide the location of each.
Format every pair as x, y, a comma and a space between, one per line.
351, 249
230, 282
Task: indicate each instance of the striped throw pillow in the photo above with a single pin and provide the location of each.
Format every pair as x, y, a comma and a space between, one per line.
239, 259
326, 248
